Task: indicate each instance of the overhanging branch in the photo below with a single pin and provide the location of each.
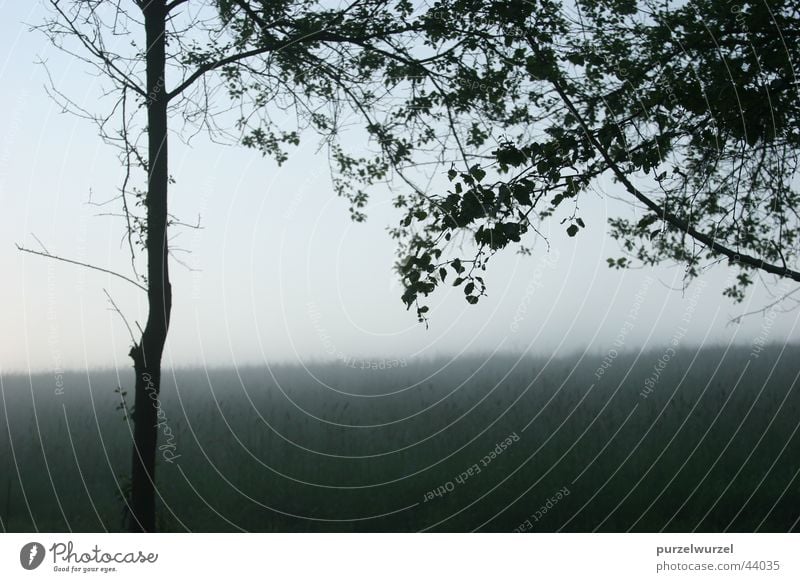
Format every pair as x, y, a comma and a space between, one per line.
711, 243
321, 35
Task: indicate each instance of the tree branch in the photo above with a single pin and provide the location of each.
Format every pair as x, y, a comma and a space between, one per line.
318, 35
119, 312
208, 67
174, 4
711, 243
111, 68
763, 310
80, 264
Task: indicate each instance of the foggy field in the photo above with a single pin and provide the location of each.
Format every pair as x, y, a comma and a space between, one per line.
490, 444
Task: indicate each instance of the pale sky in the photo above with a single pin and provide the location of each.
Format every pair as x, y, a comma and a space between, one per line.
283, 275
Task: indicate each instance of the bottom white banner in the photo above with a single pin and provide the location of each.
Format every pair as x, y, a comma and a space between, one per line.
400, 557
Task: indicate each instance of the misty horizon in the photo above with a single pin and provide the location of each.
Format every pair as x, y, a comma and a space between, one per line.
390, 266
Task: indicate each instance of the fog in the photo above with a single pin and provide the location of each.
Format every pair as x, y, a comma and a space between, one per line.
431, 444
297, 393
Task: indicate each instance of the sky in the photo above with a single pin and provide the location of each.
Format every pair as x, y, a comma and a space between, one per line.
279, 272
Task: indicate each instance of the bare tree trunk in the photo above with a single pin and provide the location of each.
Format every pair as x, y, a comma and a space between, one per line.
147, 354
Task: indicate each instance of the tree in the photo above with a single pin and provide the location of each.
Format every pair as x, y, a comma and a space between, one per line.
284, 67
690, 107
525, 105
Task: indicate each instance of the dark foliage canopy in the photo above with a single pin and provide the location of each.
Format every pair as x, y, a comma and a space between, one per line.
691, 108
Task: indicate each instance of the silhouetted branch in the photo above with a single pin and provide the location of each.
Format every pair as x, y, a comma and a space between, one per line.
317, 35
41, 244
111, 69
767, 307
174, 4
80, 264
119, 312
175, 222
675, 221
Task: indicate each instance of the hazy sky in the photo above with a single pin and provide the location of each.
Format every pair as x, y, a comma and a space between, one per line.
282, 274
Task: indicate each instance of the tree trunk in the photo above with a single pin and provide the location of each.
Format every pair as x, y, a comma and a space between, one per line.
147, 354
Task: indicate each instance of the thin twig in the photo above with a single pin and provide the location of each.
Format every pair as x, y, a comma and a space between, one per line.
80, 264
119, 312
41, 244
763, 310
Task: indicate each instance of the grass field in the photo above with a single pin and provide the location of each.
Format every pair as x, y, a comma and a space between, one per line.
707, 440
